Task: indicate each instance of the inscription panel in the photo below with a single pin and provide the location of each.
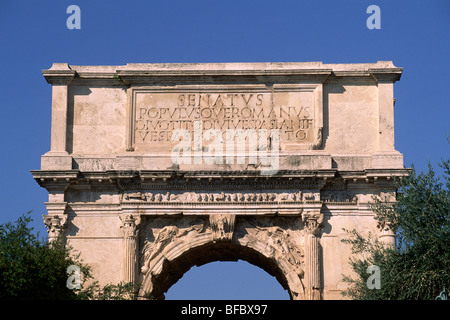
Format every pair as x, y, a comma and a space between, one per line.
293, 112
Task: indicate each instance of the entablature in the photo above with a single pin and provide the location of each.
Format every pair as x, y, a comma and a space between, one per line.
139, 180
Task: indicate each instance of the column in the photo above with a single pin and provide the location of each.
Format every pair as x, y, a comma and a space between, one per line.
129, 265
312, 223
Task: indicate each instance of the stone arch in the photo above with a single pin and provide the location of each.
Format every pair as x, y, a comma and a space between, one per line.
163, 270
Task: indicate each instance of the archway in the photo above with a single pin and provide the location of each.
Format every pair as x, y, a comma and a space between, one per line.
170, 247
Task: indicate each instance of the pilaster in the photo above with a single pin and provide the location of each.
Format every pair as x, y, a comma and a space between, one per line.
59, 76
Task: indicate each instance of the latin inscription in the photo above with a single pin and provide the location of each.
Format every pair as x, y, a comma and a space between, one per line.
157, 115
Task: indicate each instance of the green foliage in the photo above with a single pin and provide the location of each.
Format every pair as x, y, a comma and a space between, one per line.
420, 265
120, 291
31, 268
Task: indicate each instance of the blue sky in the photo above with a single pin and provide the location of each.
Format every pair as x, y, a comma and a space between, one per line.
415, 35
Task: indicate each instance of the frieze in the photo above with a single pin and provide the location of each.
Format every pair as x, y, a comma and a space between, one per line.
215, 197
339, 197
239, 197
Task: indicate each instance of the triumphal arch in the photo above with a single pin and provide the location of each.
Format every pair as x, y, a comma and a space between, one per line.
155, 168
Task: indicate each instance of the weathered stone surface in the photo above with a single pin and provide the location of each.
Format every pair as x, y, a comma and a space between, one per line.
154, 168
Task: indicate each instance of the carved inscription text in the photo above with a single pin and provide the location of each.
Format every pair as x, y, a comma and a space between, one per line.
157, 114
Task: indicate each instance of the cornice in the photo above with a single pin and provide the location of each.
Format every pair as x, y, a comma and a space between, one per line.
224, 76
59, 73
386, 74
214, 180
132, 73
55, 179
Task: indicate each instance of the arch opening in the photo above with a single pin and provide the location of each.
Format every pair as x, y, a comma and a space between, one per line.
173, 270
227, 280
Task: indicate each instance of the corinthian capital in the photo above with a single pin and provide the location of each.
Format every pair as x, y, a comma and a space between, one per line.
129, 225
55, 223
312, 222
56, 219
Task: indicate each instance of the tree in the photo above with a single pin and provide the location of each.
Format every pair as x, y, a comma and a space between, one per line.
419, 266
29, 267
32, 268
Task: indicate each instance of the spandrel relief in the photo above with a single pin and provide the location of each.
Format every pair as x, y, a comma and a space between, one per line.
275, 237
158, 233
282, 236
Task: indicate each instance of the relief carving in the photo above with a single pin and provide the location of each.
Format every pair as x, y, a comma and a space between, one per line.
161, 232
283, 238
280, 239
339, 197
222, 226
217, 197
135, 196
309, 196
